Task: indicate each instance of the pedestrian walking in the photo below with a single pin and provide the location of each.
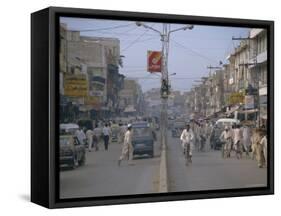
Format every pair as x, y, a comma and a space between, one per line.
194, 128
202, 137
208, 130
115, 130
89, 136
123, 129
246, 134
106, 133
226, 138
264, 147
81, 136
96, 137
187, 139
237, 141
127, 148
257, 147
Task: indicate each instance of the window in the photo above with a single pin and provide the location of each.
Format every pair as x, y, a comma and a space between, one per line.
262, 43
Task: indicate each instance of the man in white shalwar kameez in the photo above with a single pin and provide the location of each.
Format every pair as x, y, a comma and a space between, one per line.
89, 135
246, 131
127, 148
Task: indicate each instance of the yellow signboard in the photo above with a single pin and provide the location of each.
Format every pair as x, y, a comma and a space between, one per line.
75, 85
94, 101
236, 98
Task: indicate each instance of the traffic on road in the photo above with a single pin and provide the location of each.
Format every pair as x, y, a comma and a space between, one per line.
152, 107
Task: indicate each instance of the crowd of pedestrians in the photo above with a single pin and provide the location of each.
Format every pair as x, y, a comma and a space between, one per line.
235, 138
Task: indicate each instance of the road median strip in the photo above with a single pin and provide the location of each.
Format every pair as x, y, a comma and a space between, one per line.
163, 175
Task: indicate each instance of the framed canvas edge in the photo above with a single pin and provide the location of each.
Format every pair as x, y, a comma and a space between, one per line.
55, 203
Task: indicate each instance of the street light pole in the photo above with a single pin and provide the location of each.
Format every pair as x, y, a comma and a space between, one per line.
165, 88
165, 81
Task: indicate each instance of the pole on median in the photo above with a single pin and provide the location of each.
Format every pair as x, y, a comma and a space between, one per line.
165, 86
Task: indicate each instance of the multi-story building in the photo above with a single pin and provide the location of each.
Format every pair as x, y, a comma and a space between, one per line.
131, 98
258, 68
237, 77
241, 59
94, 61
240, 86
62, 56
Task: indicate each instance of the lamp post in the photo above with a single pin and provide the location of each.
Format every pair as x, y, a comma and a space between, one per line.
165, 87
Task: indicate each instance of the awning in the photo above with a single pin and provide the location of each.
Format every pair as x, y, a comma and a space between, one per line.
85, 108
232, 110
105, 108
248, 111
130, 109
98, 79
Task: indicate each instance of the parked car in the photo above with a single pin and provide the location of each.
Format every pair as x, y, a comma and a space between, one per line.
72, 153
171, 121
142, 139
85, 123
69, 128
177, 128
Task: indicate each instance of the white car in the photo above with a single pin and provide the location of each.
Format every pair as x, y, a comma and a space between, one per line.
69, 128
223, 122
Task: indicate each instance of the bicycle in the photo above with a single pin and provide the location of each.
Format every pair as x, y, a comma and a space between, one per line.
187, 155
226, 148
238, 150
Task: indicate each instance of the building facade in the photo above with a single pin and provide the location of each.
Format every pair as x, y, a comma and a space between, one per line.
89, 75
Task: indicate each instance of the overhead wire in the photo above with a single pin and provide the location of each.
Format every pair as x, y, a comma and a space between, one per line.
193, 51
136, 40
107, 28
180, 78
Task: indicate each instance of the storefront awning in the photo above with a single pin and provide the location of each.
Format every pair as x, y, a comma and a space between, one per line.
232, 110
248, 111
130, 109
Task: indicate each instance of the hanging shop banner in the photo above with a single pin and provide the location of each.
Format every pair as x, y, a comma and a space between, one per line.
154, 59
95, 102
75, 85
249, 102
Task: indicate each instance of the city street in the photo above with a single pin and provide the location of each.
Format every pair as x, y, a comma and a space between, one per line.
209, 171
126, 84
101, 175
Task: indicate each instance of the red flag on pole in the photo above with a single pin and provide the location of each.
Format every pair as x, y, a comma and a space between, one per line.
154, 61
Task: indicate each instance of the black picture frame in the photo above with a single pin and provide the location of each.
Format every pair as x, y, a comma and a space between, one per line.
45, 106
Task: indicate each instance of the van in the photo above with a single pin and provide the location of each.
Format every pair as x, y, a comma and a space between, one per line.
217, 130
223, 122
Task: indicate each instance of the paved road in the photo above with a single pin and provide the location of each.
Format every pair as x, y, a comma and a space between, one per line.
209, 171
102, 177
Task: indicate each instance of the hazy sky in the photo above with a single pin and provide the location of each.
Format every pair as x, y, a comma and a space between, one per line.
190, 52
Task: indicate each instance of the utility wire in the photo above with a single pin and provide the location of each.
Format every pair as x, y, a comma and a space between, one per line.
108, 28
180, 78
193, 51
135, 41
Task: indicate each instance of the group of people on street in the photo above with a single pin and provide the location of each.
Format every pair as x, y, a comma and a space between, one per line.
202, 133
236, 138
244, 139
104, 131
101, 131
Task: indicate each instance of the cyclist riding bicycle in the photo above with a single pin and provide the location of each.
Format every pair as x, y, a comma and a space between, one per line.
226, 138
187, 138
